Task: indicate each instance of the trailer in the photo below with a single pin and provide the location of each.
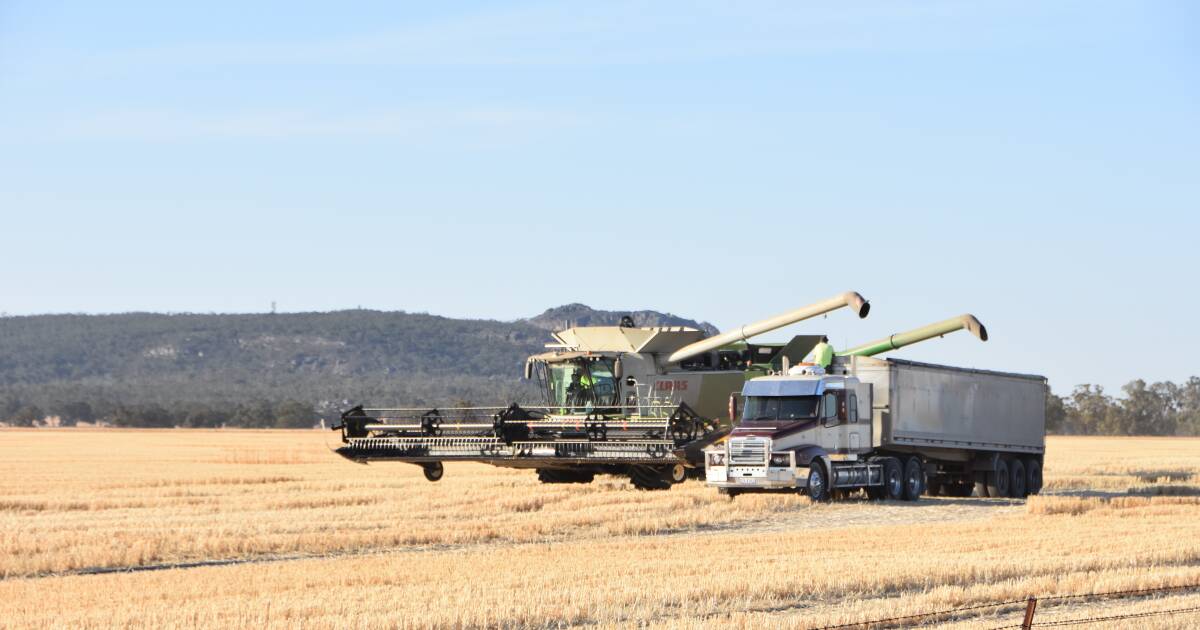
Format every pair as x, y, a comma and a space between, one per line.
895, 429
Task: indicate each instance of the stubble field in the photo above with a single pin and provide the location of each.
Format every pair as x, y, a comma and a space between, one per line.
269, 528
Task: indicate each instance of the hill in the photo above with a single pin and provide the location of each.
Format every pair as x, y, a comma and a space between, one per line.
150, 369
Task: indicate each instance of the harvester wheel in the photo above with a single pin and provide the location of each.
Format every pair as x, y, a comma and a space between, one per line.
997, 479
818, 482
550, 475
1033, 476
1016, 482
649, 478
677, 473
914, 478
433, 470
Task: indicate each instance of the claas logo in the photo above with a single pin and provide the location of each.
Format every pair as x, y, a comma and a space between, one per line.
671, 385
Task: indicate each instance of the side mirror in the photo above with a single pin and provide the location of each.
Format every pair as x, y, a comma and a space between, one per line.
733, 407
617, 369
528, 370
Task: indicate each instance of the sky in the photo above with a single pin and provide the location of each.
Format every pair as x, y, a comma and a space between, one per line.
1035, 164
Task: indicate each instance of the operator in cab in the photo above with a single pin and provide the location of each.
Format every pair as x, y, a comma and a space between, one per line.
822, 353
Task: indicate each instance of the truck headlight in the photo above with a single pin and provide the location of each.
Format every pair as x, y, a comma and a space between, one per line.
716, 459
781, 460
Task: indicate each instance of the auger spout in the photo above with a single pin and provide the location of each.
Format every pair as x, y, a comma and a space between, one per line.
899, 340
847, 299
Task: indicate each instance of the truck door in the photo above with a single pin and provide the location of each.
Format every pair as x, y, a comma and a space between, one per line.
842, 421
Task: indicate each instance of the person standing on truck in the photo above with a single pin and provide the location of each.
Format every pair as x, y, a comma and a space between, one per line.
822, 353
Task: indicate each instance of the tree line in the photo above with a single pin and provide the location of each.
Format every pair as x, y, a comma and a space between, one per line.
1164, 408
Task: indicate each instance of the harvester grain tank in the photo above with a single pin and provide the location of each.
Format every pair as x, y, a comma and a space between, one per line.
896, 429
642, 402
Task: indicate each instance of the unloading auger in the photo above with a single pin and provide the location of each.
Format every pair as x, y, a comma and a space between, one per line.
625, 400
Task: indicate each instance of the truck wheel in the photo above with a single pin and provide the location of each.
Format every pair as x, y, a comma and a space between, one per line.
997, 479
648, 478
433, 471
818, 482
893, 479
1033, 476
914, 478
1016, 483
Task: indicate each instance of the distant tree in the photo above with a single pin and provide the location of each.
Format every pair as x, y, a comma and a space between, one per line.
75, 412
293, 414
27, 415
1056, 413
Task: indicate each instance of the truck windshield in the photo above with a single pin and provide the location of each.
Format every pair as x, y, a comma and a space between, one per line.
772, 408
581, 385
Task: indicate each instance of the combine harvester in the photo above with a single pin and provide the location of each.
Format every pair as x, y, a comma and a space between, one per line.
641, 402
896, 429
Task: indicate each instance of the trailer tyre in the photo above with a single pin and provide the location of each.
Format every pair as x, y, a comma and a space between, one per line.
914, 479
1033, 476
818, 482
1016, 484
997, 479
433, 471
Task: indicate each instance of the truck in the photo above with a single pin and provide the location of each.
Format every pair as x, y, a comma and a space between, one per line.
886, 427
642, 402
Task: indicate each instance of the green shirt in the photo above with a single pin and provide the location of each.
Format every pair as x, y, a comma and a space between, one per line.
822, 354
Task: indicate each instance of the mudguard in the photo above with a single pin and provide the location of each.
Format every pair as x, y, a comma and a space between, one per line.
808, 452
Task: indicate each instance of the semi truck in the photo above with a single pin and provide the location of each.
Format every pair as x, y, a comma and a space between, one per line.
627, 400
891, 428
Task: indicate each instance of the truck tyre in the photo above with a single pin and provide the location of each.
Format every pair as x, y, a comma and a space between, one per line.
914, 478
433, 471
1016, 483
997, 479
1033, 476
818, 482
649, 478
893, 479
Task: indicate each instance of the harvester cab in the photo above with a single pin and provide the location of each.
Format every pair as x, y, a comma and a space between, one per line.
636, 401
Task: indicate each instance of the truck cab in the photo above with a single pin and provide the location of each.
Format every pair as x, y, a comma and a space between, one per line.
788, 424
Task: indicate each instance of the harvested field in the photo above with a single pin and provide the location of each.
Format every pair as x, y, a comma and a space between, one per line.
313, 540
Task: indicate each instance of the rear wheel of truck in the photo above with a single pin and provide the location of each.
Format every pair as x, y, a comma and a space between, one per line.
650, 478
1033, 476
914, 478
433, 471
893, 479
997, 479
818, 482
1016, 482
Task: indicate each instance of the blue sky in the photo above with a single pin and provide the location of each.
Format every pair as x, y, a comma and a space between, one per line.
1035, 164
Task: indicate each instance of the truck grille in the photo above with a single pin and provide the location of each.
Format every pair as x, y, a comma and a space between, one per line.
749, 451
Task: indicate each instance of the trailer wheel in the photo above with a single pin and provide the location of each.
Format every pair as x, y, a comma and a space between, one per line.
997, 479
818, 482
914, 478
1033, 476
433, 471
1016, 483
